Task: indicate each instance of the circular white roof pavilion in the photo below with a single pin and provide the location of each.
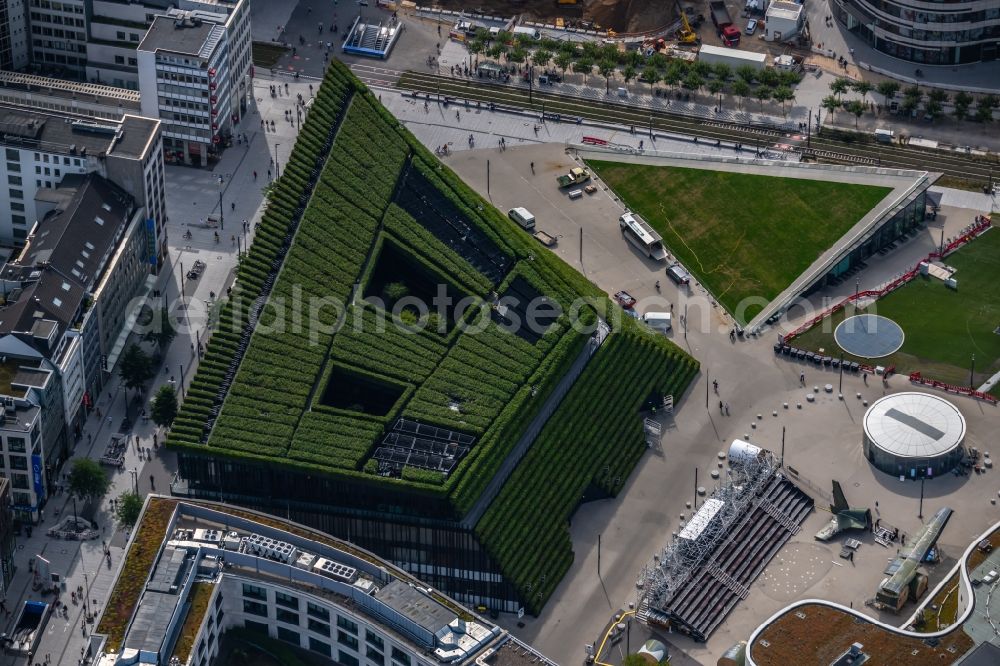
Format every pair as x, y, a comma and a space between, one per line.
914, 434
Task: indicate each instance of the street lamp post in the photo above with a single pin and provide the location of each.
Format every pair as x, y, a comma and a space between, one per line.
972, 372
277, 169
222, 212
135, 479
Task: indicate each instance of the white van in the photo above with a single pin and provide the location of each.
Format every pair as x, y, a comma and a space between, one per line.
523, 217
525, 30
659, 321
884, 135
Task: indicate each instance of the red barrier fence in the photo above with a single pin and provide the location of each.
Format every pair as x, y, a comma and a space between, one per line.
981, 224
916, 378
594, 141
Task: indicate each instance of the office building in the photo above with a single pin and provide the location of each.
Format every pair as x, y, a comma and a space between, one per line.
7, 542
934, 33
13, 35
42, 148
216, 568
194, 74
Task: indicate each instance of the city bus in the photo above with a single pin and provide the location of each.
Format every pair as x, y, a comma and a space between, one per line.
640, 234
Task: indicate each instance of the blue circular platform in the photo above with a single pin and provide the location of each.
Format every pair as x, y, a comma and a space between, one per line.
869, 336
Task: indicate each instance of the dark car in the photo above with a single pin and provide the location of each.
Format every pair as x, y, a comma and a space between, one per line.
678, 274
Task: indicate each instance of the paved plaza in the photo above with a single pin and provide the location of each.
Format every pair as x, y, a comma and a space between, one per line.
823, 439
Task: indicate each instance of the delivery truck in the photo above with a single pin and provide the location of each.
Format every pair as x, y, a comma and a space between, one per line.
728, 33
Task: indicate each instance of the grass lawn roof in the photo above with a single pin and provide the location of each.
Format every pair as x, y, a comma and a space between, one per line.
742, 235
364, 210
822, 633
943, 327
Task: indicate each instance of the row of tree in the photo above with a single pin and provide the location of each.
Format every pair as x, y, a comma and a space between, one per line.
912, 99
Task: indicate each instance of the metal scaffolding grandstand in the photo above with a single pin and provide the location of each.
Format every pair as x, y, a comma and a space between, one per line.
695, 581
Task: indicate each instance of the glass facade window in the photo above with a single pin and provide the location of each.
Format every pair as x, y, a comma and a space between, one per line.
319, 647
374, 640
286, 600
317, 611
375, 656
319, 627
289, 636
347, 659
254, 592
400, 657
286, 616
255, 608
15, 444
347, 624
347, 640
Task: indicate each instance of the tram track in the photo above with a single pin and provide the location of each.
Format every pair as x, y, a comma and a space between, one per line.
969, 169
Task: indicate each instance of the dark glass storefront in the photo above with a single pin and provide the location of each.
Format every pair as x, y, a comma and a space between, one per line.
417, 532
905, 221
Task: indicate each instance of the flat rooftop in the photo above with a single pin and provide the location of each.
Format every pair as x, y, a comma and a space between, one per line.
176, 35
29, 128
198, 535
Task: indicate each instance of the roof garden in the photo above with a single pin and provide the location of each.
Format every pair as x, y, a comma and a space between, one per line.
385, 251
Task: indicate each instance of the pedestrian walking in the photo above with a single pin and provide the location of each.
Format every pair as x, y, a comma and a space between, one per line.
233, 239
864, 377
532, 167
233, 204
722, 407
255, 176
715, 385
802, 378
727, 409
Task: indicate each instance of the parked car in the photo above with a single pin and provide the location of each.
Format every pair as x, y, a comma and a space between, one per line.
624, 299
677, 273
751, 26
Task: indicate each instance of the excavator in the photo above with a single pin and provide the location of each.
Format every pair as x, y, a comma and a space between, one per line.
685, 35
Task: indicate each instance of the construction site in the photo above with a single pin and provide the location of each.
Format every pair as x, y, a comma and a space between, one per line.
625, 16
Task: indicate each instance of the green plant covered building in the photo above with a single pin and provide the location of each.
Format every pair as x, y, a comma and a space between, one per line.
455, 441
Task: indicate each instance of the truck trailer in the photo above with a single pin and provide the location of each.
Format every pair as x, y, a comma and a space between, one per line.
735, 59
728, 33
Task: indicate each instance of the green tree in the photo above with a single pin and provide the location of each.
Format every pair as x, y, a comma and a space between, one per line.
783, 94
610, 52
87, 479
634, 58
862, 87
628, 73
634, 659
676, 71
496, 51
518, 55
651, 76
722, 71
715, 87
164, 408
477, 46
693, 81
786, 78
830, 103
768, 77
985, 106
762, 94
701, 68
128, 509
563, 61
938, 95
659, 61
135, 367
856, 107
584, 66
911, 102
839, 86
888, 90
962, 101
607, 68
394, 291
747, 73
932, 108
741, 89
161, 330
541, 58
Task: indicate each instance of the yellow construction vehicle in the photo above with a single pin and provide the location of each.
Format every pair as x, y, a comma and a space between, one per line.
686, 35
565, 2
